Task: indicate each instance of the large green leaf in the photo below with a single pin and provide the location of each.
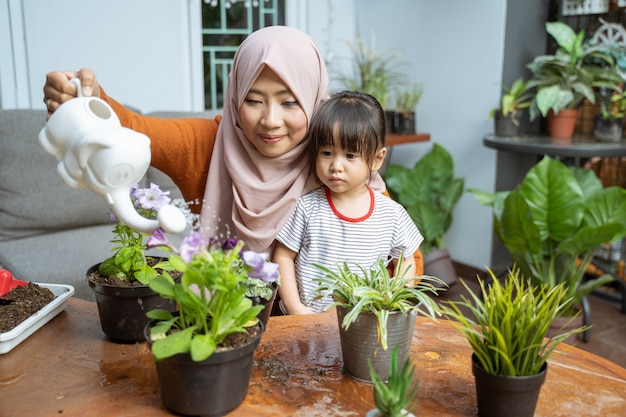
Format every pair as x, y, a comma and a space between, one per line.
554, 198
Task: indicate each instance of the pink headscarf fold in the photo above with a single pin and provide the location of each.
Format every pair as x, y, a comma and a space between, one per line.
248, 195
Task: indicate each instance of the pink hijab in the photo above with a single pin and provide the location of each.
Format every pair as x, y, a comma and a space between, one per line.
248, 195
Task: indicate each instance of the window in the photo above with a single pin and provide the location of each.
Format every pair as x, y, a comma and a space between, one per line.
225, 24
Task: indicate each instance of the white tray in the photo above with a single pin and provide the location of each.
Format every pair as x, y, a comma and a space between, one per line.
14, 337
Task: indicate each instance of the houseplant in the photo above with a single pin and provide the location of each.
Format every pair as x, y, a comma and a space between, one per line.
553, 222
204, 350
374, 311
393, 396
407, 99
564, 79
120, 283
506, 326
429, 192
610, 122
375, 73
515, 99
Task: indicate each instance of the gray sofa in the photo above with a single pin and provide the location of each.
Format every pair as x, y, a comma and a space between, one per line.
50, 232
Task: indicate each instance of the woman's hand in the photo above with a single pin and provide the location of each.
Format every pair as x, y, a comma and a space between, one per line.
58, 88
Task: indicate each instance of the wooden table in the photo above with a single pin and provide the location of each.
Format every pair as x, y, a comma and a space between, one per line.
68, 368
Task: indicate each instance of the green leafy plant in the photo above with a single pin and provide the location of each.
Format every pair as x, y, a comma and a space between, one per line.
564, 79
506, 323
613, 106
515, 98
374, 73
408, 97
553, 222
211, 297
362, 289
393, 397
429, 192
129, 261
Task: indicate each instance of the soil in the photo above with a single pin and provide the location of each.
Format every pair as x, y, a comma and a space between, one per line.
22, 302
119, 282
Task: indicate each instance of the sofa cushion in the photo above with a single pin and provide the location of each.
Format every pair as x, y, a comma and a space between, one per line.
33, 198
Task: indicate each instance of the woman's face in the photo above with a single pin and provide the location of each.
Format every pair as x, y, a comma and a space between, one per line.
271, 117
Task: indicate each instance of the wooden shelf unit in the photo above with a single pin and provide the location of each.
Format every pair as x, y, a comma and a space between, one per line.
393, 139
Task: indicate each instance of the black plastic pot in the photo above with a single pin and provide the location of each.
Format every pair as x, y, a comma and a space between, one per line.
212, 387
511, 396
405, 123
360, 342
122, 309
504, 125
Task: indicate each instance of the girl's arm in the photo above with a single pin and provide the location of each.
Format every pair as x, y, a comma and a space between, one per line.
288, 289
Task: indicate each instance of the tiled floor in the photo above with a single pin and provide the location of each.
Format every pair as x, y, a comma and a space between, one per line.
608, 334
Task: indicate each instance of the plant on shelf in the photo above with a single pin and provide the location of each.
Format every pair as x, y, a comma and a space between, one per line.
609, 124
564, 79
374, 73
369, 301
506, 325
393, 396
407, 99
214, 317
429, 192
553, 222
514, 101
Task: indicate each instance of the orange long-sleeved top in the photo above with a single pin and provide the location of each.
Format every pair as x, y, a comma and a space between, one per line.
181, 148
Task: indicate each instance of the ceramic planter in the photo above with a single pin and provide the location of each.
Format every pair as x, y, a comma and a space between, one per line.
504, 125
212, 387
390, 121
360, 342
122, 309
608, 130
499, 395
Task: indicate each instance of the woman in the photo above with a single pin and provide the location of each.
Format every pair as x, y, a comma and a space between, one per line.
250, 167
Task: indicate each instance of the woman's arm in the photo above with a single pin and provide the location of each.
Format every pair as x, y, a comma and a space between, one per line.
288, 289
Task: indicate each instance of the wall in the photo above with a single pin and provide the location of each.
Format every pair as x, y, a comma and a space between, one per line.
141, 50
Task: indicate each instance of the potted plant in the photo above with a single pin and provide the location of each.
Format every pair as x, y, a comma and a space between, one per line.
407, 99
394, 395
554, 221
610, 122
120, 283
374, 73
204, 350
564, 79
429, 193
374, 311
506, 325
514, 101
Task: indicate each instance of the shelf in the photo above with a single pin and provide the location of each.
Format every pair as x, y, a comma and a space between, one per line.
393, 139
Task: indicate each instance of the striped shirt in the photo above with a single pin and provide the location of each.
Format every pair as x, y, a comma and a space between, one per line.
320, 236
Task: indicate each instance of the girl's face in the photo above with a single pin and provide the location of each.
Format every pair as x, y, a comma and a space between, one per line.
343, 171
271, 117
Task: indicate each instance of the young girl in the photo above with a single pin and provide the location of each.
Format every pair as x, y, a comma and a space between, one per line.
345, 220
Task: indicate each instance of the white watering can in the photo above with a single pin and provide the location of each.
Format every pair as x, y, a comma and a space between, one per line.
95, 152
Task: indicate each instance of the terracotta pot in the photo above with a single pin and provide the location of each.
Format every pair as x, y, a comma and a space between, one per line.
562, 124
360, 342
510, 396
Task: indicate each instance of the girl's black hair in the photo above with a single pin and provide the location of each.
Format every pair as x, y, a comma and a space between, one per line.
357, 118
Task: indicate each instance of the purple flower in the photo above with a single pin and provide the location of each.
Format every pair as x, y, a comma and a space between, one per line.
151, 198
230, 243
158, 239
267, 271
190, 245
